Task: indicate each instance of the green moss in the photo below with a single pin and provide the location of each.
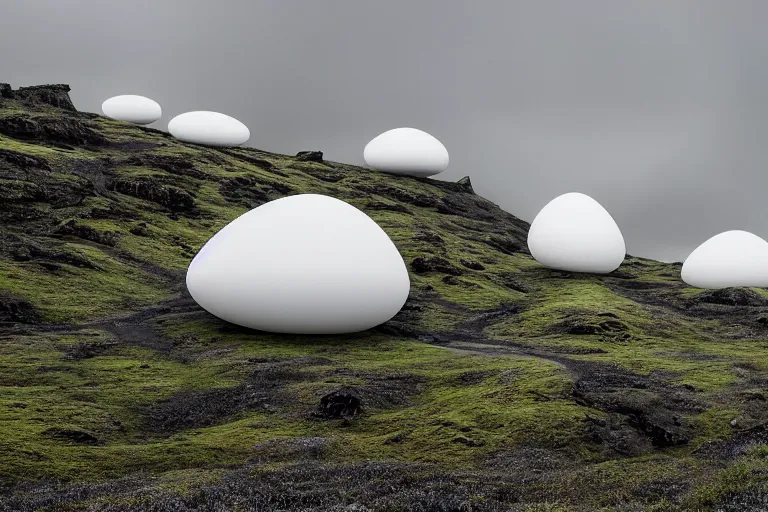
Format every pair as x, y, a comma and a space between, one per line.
452, 409
73, 293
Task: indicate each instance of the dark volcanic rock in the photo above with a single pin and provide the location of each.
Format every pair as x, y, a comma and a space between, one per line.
504, 244
422, 265
581, 326
262, 390
64, 130
646, 405
342, 403
310, 156
172, 164
454, 281
150, 189
22, 161
732, 297
16, 309
465, 185
474, 265
6, 91
252, 192
72, 228
27, 249
56, 95
244, 190
74, 435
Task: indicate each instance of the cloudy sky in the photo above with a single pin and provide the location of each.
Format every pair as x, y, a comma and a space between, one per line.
656, 108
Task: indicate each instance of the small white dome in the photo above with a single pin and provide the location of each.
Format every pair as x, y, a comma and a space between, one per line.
209, 128
131, 108
406, 151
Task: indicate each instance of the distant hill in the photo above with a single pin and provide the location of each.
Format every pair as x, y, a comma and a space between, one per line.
501, 385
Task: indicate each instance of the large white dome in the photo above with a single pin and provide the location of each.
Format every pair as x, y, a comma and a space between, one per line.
303, 264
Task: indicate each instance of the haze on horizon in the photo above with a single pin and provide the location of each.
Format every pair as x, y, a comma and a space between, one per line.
657, 109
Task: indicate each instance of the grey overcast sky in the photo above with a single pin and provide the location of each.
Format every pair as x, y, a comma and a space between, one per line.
656, 108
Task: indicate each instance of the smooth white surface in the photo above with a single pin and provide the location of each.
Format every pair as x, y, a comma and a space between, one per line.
303, 264
732, 258
132, 108
406, 151
209, 128
574, 232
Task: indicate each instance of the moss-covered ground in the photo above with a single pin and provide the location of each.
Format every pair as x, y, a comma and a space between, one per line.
501, 385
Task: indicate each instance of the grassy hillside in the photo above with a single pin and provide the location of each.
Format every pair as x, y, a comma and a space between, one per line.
501, 385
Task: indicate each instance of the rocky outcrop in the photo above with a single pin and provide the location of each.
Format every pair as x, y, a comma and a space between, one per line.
342, 403
56, 95
731, 297
309, 156
60, 130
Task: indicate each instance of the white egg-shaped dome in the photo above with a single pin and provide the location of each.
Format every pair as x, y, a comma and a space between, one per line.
406, 151
209, 128
302, 264
731, 258
132, 108
574, 232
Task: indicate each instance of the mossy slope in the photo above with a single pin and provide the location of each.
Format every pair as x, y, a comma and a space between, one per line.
502, 385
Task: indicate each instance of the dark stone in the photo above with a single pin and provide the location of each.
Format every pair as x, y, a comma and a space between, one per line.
140, 229
466, 185
72, 228
581, 328
87, 349
172, 164
17, 309
732, 297
310, 156
22, 253
587, 326
454, 281
64, 131
151, 189
23, 161
342, 403
644, 404
27, 250
422, 265
474, 265
56, 95
74, 435
251, 192
6, 91
503, 244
